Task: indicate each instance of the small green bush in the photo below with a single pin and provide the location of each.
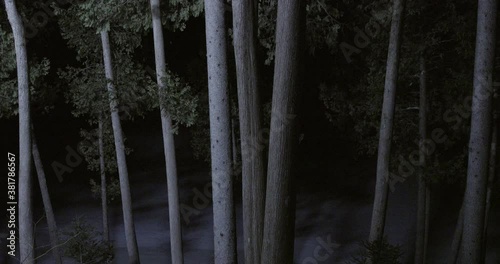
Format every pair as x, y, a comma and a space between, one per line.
379, 251
85, 244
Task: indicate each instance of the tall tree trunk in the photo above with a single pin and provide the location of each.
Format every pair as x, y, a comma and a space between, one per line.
386, 124
279, 216
25, 213
480, 135
168, 140
422, 188
220, 134
457, 237
49, 213
104, 195
253, 174
128, 219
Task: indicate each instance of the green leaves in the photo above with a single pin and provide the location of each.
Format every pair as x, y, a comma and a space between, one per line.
179, 100
136, 91
378, 252
322, 26
38, 69
112, 189
81, 24
180, 11
87, 89
267, 27
89, 147
84, 243
8, 81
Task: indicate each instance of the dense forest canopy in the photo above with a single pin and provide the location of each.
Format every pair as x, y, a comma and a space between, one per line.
272, 101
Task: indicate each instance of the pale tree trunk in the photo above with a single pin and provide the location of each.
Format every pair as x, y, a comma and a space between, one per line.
253, 174
220, 134
49, 213
480, 134
278, 237
25, 213
386, 124
168, 140
104, 195
128, 219
422, 186
457, 237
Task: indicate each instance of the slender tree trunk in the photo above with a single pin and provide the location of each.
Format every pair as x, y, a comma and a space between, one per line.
168, 140
491, 180
253, 174
220, 134
457, 237
49, 213
234, 145
25, 213
422, 188
427, 216
386, 124
480, 135
279, 216
128, 219
104, 195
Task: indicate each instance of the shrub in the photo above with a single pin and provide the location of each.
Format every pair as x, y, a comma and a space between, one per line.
86, 245
379, 251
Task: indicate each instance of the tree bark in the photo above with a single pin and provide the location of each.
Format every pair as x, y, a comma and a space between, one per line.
480, 135
457, 237
422, 186
168, 140
386, 124
279, 216
25, 213
253, 174
491, 180
220, 134
49, 213
133, 252
427, 217
234, 146
104, 195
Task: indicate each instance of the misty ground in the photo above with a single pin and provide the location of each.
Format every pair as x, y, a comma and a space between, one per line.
333, 204
345, 218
